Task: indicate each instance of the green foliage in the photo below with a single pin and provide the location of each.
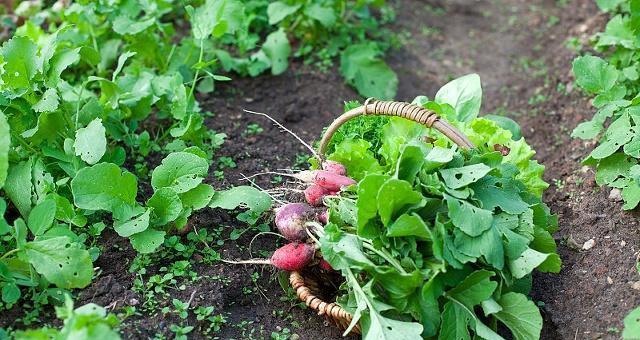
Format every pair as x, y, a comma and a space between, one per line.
436, 241
632, 325
75, 93
86, 322
322, 30
614, 81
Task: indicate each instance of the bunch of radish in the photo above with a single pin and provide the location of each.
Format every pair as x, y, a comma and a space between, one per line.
293, 219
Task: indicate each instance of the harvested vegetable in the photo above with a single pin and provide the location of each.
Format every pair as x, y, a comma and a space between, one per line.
436, 241
290, 257
314, 194
291, 218
334, 167
331, 181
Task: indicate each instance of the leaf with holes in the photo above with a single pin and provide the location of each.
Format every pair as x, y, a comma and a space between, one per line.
180, 171
61, 262
133, 226
456, 178
147, 241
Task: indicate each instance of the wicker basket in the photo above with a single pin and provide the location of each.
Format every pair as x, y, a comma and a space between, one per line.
305, 287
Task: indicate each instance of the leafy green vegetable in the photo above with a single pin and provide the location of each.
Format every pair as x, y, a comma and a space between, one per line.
434, 234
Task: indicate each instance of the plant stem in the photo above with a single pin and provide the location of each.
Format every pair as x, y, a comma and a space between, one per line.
385, 256
13, 251
195, 78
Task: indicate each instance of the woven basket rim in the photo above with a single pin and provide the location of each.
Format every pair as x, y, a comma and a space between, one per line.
334, 313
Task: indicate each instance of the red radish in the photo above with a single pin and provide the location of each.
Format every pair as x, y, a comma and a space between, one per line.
324, 265
331, 181
323, 217
291, 218
323, 178
335, 167
314, 195
291, 257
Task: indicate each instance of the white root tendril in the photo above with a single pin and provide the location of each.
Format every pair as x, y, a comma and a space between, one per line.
315, 154
259, 188
252, 261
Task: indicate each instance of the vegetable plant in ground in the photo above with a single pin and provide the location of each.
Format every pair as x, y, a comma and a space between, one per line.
614, 80
431, 240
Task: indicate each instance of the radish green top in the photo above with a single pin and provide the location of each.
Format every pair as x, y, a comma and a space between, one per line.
435, 241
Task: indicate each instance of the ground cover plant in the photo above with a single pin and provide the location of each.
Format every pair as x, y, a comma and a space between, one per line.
100, 126
431, 240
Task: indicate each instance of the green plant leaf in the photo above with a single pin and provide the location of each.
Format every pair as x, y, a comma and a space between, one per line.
242, 196
133, 226
394, 198
198, 197
409, 225
103, 187
276, 47
180, 171
61, 262
91, 142
632, 325
48, 103
166, 205
472, 220
41, 217
464, 94
456, 178
19, 54
5, 144
520, 315
10, 293
18, 186
278, 11
593, 74
325, 15
147, 241
361, 66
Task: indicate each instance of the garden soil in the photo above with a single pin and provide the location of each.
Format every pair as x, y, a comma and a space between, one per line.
523, 51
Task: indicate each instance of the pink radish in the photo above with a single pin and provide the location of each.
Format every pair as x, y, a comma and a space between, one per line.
314, 195
290, 220
323, 178
291, 257
335, 167
323, 217
331, 181
324, 265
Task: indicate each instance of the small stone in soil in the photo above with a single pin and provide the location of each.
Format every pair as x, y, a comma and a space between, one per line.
615, 195
609, 280
589, 244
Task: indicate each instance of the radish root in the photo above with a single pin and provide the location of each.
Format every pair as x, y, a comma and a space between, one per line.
252, 261
315, 154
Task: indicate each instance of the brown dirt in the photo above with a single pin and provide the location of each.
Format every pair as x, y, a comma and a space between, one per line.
517, 47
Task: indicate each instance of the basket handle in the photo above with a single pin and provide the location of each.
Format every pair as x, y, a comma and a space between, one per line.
400, 109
